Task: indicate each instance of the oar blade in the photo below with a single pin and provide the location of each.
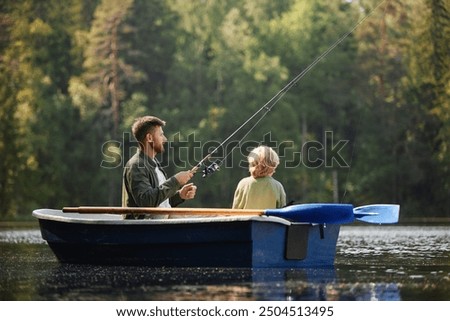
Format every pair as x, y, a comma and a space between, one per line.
319, 213
378, 213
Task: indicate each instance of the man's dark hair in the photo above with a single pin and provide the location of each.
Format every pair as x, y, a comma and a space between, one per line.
144, 125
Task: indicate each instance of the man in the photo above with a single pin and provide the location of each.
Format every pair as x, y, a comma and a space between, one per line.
145, 184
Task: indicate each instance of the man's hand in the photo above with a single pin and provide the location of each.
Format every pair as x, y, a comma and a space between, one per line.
188, 191
184, 177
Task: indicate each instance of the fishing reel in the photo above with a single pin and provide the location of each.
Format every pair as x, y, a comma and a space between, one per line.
210, 169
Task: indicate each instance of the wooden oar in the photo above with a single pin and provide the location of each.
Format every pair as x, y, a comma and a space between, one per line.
307, 213
160, 210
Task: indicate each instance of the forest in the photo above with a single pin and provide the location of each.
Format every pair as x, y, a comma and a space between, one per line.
367, 123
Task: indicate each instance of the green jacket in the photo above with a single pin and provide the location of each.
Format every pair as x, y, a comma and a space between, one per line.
141, 187
259, 193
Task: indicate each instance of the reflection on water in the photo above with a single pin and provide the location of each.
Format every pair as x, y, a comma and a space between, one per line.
372, 263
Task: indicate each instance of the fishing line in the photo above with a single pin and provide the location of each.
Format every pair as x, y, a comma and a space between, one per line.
274, 100
216, 164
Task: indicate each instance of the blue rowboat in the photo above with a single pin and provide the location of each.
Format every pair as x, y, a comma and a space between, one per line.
301, 236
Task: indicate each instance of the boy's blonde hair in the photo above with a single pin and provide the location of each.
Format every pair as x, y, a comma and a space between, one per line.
263, 161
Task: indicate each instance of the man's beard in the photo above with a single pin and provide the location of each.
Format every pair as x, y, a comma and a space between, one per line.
159, 148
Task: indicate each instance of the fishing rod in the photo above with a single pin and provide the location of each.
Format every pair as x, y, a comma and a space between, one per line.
267, 107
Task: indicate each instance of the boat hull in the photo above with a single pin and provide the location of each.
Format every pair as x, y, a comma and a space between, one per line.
256, 242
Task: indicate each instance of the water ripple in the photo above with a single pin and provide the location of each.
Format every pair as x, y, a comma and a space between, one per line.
411, 244
31, 236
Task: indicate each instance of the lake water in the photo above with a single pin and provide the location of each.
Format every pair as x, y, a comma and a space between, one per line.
386, 263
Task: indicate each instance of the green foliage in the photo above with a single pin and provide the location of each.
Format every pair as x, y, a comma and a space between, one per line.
8, 146
399, 163
75, 74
